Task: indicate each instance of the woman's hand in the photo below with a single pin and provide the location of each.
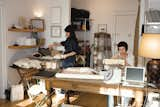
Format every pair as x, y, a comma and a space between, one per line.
50, 46
64, 56
53, 45
56, 44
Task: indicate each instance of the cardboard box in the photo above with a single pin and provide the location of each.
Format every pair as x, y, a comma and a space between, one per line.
29, 102
26, 103
68, 105
57, 101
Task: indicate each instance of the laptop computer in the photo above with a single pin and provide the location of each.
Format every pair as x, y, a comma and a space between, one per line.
134, 76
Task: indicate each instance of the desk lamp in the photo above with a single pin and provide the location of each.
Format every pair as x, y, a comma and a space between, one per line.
150, 48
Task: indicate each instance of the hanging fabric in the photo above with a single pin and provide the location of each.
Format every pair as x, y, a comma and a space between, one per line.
136, 37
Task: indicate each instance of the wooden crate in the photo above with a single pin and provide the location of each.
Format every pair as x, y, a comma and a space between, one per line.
69, 105
29, 102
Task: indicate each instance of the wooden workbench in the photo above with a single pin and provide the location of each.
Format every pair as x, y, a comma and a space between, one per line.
98, 87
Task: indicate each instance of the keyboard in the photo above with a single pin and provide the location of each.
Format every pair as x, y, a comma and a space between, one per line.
134, 84
45, 74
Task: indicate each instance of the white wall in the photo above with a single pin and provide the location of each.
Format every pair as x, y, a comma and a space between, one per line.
14, 9
46, 6
154, 4
26, 8
0, 50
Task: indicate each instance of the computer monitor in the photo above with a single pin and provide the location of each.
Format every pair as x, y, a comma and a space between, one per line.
134, 74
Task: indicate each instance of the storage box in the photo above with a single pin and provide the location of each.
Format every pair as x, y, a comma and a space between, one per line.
29, 102
30, 41
17, 92
26, 103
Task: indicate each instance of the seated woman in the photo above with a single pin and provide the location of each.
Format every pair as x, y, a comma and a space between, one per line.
129, 61
71, 47
123, 54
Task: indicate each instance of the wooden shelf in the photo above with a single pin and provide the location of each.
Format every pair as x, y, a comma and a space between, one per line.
23, 47
26, 30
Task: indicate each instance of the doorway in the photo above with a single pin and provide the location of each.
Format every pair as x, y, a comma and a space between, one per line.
124, 30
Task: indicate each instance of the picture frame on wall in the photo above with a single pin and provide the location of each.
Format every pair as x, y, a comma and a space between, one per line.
37, 24
55, 15
102, 27
56, 31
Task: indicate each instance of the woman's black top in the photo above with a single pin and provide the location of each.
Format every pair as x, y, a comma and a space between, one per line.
70, 45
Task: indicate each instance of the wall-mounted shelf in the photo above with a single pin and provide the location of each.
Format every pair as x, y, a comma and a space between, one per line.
26, 30
23, 47
41, 42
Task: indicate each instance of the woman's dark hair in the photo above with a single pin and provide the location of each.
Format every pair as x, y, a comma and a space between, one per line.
123, 44
70, 29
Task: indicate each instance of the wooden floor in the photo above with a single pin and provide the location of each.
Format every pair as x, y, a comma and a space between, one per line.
84, 99
91, 100
4, 103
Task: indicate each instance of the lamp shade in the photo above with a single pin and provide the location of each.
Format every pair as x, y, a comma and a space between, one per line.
150, 46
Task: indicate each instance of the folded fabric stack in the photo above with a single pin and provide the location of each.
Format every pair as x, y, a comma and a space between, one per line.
80, 73
113, 62
79, 70
28, 63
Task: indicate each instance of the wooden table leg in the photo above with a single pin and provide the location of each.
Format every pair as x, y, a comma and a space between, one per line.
49, 91
139, 98
67, 97
21, 77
